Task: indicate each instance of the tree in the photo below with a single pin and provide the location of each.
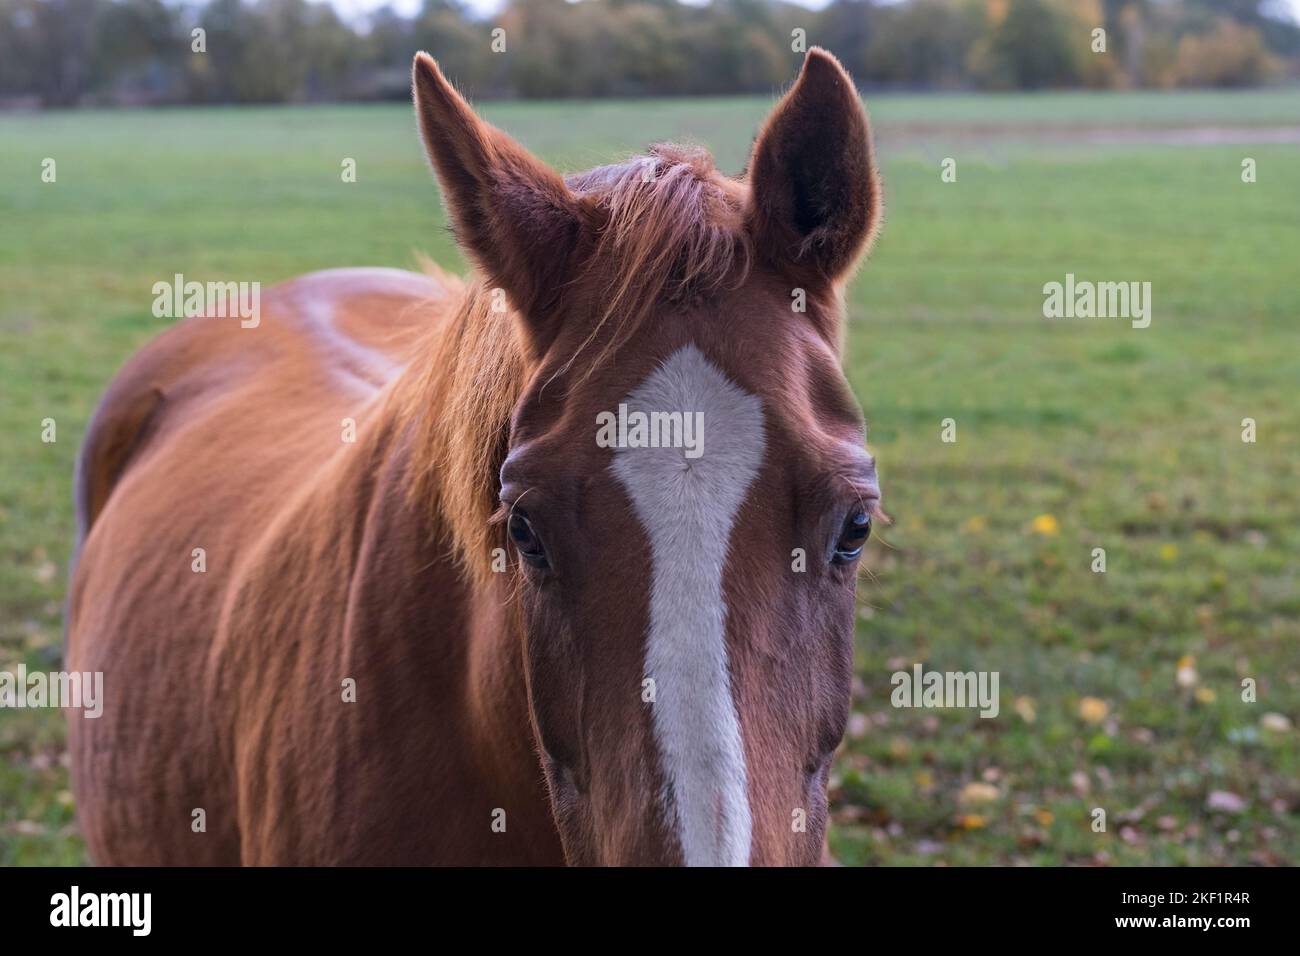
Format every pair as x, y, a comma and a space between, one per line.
1028, 49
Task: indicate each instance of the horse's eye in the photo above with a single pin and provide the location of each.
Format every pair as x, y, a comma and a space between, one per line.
854, 534
526, 540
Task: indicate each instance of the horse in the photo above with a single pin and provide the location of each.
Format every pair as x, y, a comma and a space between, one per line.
366, 588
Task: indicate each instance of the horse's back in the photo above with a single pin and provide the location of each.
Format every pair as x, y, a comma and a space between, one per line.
199, 441
344, 332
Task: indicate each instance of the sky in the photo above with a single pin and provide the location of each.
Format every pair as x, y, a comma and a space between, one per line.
359, 8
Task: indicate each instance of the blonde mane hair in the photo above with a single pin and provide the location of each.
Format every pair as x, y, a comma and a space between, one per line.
673, 234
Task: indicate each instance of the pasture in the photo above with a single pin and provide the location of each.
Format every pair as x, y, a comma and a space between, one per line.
1119, 690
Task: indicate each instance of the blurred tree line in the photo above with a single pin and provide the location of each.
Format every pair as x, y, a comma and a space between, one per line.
66, 52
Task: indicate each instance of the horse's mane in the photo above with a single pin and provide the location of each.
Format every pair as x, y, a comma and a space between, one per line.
673, 234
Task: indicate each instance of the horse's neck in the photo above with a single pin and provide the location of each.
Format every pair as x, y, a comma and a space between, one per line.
449, 628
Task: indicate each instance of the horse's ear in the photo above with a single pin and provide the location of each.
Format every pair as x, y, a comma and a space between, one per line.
510, 212
815, 198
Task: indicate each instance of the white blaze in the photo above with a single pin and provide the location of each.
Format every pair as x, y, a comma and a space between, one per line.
687, 507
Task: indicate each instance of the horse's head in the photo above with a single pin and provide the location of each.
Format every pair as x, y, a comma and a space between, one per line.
684, 486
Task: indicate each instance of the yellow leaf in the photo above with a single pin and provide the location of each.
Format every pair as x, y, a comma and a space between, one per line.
972, 821
1093, 709
1046, 524
978, 793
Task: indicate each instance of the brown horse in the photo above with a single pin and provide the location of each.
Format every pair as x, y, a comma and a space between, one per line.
557, 566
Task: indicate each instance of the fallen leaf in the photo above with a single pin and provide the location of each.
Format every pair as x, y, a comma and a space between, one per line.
1093, 709
1277, 723
1225, 800
1025, 708
979, 793
1046, 524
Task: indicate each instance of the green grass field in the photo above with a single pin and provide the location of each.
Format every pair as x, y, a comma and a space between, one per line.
1071, 434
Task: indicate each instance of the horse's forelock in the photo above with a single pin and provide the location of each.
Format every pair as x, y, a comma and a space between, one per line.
672, 232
